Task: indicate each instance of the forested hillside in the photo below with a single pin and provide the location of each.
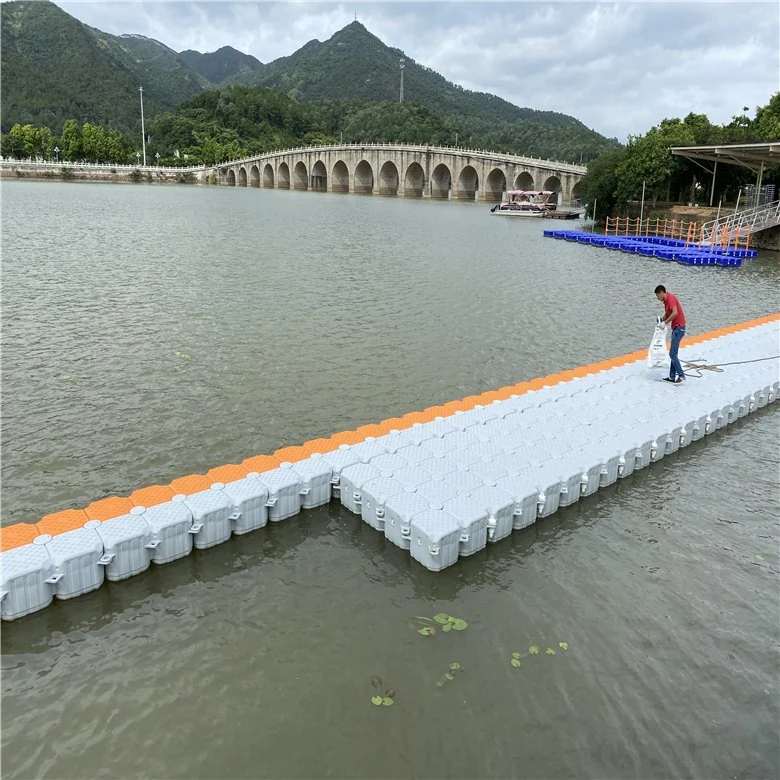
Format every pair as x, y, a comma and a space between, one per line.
55, 69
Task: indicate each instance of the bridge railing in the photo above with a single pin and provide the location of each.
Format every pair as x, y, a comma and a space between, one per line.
31, 163
459, 150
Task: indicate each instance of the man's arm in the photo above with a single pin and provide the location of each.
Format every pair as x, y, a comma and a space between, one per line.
672, 315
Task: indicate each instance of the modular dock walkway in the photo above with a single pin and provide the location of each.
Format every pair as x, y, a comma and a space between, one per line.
440, 483
684, 252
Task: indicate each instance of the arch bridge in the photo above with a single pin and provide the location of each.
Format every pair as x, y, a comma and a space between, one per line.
404, 171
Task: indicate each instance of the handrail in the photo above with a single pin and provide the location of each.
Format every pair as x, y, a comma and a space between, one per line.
752, 219
461, 151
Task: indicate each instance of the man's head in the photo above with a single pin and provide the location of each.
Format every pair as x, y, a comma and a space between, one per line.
660, 292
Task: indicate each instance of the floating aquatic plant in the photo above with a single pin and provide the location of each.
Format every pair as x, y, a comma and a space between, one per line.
516, 661
378, 699
449, 675
439, 622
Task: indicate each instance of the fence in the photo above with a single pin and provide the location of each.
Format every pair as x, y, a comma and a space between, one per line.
692, 233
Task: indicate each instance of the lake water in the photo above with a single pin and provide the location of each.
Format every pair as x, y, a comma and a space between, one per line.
149, 332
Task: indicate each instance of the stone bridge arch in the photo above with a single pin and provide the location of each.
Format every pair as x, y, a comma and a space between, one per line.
414, 181
254, 176
441, 182
468, 183
231, 177
495, 185
268, 176
283, 176
340, 179
319, 177
553, 183
524, 181
576, 192
242, 176
364, 178
300, 176
388, 179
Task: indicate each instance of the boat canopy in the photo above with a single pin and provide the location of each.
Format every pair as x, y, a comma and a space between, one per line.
528, 193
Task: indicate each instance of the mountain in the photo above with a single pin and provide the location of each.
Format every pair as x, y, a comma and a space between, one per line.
54, 68
222, 65
327, 71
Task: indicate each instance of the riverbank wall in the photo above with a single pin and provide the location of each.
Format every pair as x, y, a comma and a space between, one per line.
125, 174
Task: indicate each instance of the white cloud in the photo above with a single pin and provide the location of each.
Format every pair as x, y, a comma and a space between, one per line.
620, 67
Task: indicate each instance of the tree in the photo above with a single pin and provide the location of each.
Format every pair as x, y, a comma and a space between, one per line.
766, 126
599, 185
70, 141
649, 162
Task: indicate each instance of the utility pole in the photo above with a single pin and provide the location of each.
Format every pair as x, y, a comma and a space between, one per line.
143, 129
401, 100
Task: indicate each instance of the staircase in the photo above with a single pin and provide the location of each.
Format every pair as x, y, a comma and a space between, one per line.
754, 219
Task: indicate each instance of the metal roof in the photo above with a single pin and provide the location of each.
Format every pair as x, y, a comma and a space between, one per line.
752, 156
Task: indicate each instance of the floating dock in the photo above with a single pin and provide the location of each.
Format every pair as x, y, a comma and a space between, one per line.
441, 483
658, 246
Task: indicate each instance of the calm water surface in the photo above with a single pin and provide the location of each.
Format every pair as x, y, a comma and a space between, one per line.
150, 332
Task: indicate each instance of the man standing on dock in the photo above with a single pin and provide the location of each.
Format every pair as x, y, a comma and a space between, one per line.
673, 313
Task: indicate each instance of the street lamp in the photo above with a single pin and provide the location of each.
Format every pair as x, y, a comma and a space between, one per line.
157, 155
401, 98
143, 130
57, 154
138, 158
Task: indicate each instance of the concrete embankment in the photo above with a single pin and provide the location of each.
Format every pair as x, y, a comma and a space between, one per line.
129, 174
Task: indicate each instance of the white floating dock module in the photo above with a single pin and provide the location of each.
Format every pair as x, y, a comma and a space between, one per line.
442, 483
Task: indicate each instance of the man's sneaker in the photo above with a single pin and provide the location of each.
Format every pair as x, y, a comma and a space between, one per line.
668, 379
679, 380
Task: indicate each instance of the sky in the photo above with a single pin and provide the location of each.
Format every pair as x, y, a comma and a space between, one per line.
619, 67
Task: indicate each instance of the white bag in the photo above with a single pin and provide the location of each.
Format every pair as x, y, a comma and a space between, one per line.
658, 355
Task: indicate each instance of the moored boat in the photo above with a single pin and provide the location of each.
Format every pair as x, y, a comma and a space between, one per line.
526, 203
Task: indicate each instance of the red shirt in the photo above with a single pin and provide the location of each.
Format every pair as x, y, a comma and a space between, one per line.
671, 303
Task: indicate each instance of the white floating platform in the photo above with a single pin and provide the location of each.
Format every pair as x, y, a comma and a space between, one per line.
441, 489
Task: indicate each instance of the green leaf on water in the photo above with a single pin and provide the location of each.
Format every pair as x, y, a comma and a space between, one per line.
516, 662
449, 676
441, 617
376, 700
459, 624
517, 655
563, 645
390, 693
549, 651
455, 666
376, 681
387, 702
426, 630
446, 627
533, 650
759, 557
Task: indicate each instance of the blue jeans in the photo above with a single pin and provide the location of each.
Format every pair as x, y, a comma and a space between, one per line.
675, 369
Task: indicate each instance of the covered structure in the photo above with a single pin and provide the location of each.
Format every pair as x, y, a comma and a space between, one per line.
755, 156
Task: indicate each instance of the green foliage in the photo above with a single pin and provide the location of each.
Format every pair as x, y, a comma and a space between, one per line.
56, 69
617, 176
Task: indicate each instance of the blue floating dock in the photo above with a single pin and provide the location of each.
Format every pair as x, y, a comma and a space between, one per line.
658, 246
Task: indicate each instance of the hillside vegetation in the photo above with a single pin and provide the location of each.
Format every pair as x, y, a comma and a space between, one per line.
56, 69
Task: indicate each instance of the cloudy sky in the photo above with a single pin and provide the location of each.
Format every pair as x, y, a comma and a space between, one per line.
620, 67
